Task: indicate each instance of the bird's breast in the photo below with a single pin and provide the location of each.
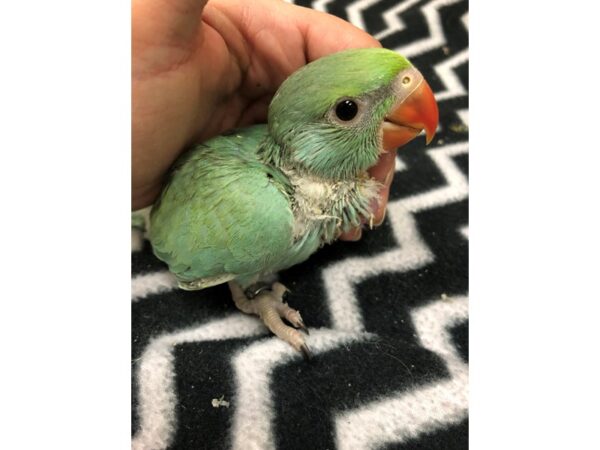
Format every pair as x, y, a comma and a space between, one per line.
329, 207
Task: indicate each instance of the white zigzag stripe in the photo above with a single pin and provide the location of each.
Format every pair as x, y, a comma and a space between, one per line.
354, 11
463, 115
137, 240
410, 414
157, 396
254, 365
152, 283
411, 252
253, 415
457, 187
399, 165
321, 5
137, 235
393, 20
340, 278
454, 87
436, 36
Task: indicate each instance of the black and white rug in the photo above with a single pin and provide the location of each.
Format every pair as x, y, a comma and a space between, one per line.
388, 315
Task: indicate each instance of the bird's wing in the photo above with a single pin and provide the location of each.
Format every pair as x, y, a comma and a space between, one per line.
223, 214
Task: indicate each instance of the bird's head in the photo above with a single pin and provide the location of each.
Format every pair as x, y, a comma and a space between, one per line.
336, 115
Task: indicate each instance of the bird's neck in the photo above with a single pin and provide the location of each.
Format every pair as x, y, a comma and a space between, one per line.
330, 207
270, 152
326, 206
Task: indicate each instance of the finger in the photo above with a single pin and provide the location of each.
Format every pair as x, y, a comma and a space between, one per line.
256, 112
325, 34
353, 235
165, 23
383, 172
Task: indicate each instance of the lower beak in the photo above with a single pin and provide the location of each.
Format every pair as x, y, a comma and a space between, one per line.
416, 113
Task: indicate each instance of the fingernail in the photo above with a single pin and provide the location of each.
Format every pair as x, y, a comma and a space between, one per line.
374, 205
379, 222
356, 235
389, 177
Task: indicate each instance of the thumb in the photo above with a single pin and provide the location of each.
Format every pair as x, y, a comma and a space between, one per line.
325, 34
170, 24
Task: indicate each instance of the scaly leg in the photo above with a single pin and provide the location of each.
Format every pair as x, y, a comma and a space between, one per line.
269, 306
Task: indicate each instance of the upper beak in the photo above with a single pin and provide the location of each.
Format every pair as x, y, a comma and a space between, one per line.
417, 112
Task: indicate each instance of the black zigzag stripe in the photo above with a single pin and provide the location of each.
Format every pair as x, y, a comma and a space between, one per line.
417, 29
304, 399
375, 23
144, 261
203, 375
162, 313
455, 437
308, 394
460, 338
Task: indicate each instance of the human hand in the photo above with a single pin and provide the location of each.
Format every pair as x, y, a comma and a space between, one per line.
201, 68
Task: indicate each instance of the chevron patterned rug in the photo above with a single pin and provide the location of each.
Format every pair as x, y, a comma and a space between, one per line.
388, 315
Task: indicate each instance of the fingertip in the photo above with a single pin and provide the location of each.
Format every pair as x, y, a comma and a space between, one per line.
379, 215
353, 235
325, 34
385, 165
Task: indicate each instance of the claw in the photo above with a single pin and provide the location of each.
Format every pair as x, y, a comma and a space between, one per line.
279, 290
305, 352
268, 305
254, 290
302, 327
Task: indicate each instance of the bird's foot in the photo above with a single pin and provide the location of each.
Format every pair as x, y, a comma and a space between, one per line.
269, 306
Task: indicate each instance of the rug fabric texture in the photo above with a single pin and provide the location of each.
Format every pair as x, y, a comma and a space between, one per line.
388, 315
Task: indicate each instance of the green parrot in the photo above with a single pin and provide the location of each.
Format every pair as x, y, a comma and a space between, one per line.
244, 205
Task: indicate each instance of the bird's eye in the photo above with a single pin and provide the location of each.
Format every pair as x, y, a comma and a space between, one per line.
406, 80
346, 110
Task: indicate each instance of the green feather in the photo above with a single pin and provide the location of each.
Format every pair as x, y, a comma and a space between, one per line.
223, 214
261, 199
298, 114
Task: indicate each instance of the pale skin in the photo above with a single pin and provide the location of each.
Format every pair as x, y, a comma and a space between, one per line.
200, 68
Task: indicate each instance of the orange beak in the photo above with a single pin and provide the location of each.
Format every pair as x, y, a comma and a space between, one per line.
419, 111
